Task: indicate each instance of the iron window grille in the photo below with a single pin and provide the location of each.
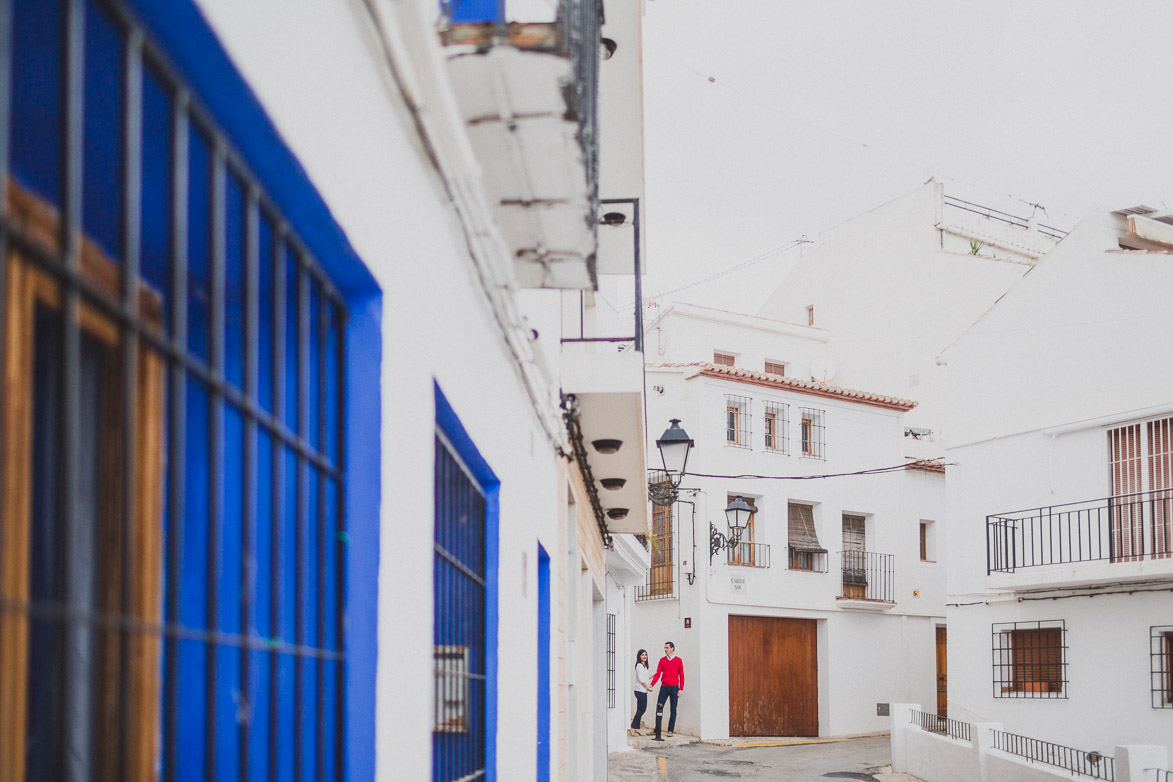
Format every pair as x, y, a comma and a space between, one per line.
738, 421
186, 357
459, 735
812, 433
954, 729
1091, 764
610, 661
1161, 667
776, 426
1029, 659
661, 582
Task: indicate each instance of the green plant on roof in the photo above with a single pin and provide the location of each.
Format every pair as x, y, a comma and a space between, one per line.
975, 247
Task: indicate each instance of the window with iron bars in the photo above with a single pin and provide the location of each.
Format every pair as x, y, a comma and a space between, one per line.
738, 421
172, 503
812, 433
1161, 666
610, 661
1029, 659
776, 426
661, 581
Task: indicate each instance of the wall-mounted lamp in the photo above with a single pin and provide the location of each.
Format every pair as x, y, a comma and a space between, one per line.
737, 513
614, 218
609, 47
674, 446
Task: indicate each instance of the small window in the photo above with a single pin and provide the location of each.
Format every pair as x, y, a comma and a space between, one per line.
775, 368
775, 425
928, 542
805, 551
452, 690
737, 421
1030, 659
1161, 651
811, 432
810, 314
723, 359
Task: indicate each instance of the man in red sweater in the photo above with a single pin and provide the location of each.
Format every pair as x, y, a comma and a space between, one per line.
671, 668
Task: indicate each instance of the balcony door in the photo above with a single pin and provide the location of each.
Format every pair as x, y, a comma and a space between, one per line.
1141, 473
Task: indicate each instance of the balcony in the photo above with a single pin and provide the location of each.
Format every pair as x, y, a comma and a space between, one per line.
747, 554
1124, 538
526, 75
868, 580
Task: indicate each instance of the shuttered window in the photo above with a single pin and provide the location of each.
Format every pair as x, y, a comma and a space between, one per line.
806, 553
1030, 659
775, 368
1140, 463
723, 359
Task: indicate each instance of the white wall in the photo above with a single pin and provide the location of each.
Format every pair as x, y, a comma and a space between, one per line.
319, 72
1068, 352
893, 292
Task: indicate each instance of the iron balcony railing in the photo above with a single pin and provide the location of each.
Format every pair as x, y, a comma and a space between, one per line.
954, 729
868, 575
748, 554
1161, 775
1092, 764
1124, 528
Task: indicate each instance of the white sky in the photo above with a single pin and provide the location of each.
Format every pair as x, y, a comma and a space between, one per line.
822, 109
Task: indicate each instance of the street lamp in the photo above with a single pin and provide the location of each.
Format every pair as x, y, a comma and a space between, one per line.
674, 446
737, 513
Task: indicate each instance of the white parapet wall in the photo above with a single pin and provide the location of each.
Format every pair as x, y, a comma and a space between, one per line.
936, 757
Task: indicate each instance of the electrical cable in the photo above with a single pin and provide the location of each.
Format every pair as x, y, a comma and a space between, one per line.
920, 464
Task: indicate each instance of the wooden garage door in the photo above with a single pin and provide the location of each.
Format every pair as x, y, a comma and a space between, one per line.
773, 677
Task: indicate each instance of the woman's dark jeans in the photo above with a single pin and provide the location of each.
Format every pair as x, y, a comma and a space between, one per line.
641, 705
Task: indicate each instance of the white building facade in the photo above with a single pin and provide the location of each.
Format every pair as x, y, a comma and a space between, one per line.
326, 252
1059, 453
826, 606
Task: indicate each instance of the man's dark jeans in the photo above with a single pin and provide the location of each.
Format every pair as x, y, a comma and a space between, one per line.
668, 692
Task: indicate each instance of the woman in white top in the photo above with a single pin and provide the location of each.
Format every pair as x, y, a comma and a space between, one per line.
643, 685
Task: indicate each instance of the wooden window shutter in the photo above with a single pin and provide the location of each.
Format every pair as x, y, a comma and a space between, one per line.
1037, 659
801, 523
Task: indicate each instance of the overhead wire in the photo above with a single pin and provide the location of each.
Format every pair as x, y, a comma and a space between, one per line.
920, 464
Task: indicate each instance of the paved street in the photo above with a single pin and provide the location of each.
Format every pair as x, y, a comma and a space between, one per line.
851, 759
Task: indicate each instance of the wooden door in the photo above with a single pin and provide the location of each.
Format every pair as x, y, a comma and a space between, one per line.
773, 677
942, 676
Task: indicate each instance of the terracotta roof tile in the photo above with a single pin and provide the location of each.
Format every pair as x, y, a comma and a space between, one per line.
739, 375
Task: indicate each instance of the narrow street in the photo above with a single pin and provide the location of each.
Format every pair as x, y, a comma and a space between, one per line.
856, 759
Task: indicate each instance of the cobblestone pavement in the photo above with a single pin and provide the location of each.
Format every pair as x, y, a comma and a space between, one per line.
853, 759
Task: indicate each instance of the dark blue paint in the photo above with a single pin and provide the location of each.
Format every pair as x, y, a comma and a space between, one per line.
364, 350
472, 11
197, 54
36, 97
448, 422
234, 283
155, 192
102, 190
199, 249
543, 665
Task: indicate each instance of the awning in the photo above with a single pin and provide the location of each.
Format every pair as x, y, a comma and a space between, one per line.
802, 529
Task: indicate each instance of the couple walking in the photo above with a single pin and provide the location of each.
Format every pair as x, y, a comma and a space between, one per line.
670, 674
